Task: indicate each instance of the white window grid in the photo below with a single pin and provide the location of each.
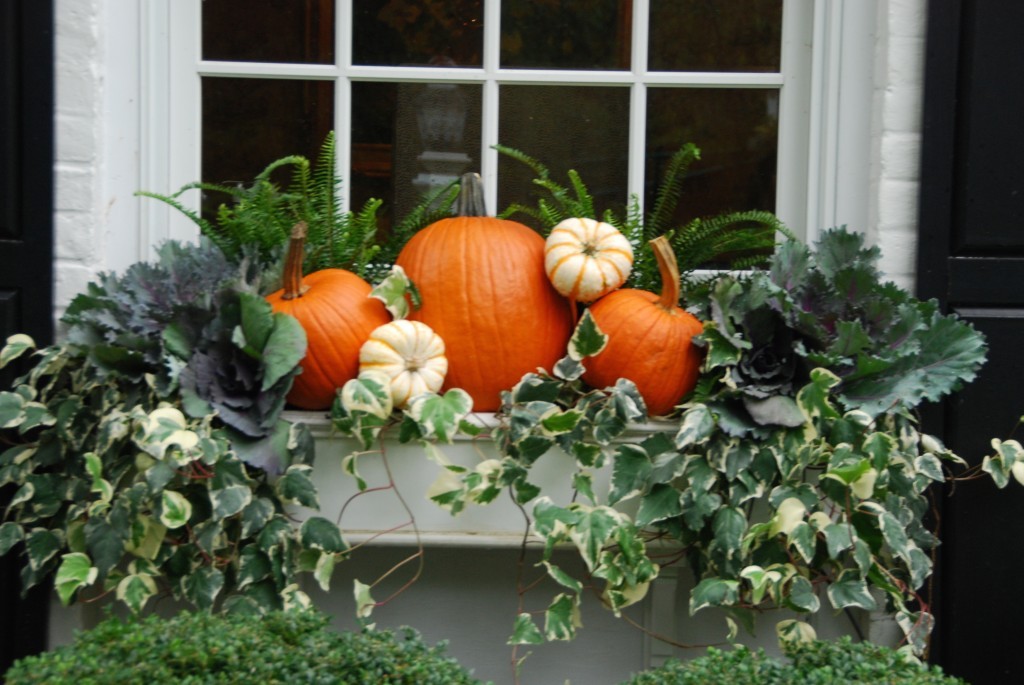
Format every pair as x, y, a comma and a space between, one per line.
824, 118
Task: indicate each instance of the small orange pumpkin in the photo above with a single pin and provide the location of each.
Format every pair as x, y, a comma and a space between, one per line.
485, 292
335, 309
649, 339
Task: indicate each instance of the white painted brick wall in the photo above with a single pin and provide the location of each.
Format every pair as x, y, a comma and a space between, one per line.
899, 79
81, 211
78, 165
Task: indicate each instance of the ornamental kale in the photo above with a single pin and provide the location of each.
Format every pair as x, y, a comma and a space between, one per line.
195, 324
828, 308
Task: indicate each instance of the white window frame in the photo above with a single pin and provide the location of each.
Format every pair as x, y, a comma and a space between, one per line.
824, 111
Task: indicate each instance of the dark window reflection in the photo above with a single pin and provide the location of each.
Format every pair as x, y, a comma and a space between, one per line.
418, 32
409, 139
299, 31
579, 127
737, 132
249, 123
715, 35
566, 34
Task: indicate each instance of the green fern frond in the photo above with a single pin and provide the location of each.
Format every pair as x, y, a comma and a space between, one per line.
667, 196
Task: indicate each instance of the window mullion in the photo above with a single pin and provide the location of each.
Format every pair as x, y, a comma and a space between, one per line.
343, 21
489, 112
638, 103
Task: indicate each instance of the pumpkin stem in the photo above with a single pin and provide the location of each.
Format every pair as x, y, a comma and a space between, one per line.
668, 267
293, 286
470, 201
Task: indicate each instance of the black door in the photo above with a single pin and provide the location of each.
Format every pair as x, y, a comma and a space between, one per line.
971, 257
26, 248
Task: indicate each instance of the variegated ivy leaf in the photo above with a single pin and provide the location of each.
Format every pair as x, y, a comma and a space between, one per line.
1000, 465
803, 539
370, 393
714, 592
592, 530
161, 428
135, 591
230, 500
100, 486
558, 422
813, 398
75, 571
202, 586
12, 409
295, 598
439, 416
296, 486
761, 581
319, 533
788, 516
588, 339
365, 604
729, 525
323, 571
696, 426
917, 626
896, 536
11, 533
791, 630
849, 589
147, 537
839, 537
631, 468
16, 345
525, 632
562, 617
397, 293
801, 595
175, 510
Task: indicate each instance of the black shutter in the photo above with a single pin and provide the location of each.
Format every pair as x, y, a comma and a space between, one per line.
26, 250
971, 257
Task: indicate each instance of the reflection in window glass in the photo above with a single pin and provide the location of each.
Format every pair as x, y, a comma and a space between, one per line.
737, 132
248, 123
566, 34
409, 139
580, 127
715, 35
269, 31
418, 32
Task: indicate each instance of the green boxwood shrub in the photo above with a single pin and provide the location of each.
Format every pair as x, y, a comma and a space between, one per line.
280, 647
809, 663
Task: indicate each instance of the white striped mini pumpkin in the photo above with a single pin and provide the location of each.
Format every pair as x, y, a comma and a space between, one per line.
410, 354
586, 259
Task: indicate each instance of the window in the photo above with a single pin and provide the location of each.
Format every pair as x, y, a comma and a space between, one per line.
419, 91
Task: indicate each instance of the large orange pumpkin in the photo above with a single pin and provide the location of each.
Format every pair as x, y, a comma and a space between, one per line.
485, 292
649, 339
338, 315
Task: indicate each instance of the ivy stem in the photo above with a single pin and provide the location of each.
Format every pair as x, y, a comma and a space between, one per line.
293, 286
668, 267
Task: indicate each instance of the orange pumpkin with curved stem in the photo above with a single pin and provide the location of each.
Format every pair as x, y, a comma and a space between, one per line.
336, 311
485, 292
649, 339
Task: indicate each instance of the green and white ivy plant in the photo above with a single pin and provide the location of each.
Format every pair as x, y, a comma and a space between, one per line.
146, 455
795, 475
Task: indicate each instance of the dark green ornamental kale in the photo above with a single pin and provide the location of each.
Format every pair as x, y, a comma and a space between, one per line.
826, 308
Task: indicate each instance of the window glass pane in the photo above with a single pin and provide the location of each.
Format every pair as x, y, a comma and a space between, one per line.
737, 133
566, 34
418, 32
249, 123
580, 127
715, 35
269, 31
409, 139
